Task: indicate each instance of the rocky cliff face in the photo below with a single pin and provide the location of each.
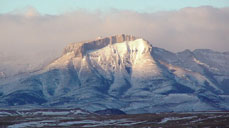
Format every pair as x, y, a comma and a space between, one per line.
81, 48
125, 73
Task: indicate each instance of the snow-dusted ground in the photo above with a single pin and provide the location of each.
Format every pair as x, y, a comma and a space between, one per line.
80, 118
165, 120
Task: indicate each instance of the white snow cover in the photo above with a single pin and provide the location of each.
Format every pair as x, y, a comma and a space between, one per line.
165, 120
125, 73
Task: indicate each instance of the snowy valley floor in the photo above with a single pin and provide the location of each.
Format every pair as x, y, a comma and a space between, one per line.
60, 118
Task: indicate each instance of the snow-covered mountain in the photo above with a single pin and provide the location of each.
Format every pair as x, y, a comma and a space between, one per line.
126, 73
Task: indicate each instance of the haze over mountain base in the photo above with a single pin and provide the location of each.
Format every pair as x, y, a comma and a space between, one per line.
126, 73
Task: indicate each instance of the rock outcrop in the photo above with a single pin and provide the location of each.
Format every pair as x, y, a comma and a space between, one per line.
81, 48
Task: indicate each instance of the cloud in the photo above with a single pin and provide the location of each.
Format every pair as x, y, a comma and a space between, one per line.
27, 12
187, 28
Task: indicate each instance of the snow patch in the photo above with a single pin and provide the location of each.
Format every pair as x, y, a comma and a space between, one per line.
165, 120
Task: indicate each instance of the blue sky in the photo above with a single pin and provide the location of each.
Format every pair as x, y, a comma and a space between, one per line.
61, 6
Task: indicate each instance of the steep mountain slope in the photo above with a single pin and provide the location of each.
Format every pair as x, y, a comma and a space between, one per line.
126, 73
213, 65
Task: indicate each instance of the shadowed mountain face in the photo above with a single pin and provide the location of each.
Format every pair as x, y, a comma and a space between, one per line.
126, 73
110, 112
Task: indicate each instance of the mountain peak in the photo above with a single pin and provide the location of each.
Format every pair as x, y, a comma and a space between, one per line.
125, 73
81, 48
118, 44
